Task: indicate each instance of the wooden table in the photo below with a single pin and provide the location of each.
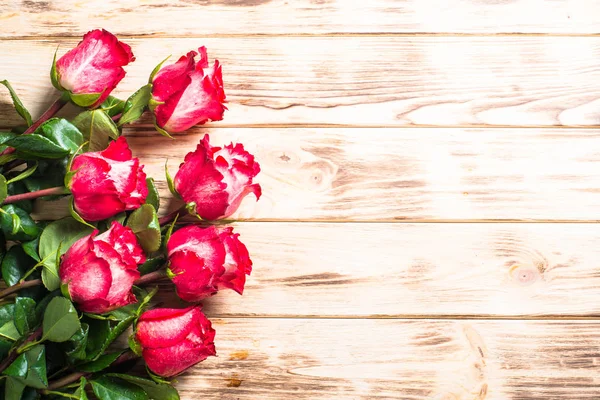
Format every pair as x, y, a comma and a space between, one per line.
431, 177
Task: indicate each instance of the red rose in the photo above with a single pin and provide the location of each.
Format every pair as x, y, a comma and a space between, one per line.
93, 68
99, 270
107, 182
188, 93
173, 340
204, 260
217, 179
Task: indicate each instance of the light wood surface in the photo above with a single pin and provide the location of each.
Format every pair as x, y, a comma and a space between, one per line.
285, 17
363, 81
399, 359
428, 225
388, 270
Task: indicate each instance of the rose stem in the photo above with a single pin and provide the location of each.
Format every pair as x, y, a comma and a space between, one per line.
75, 376
170, 217
50, 112
151, 277
34, 195
20, 286
13, 354
116, 117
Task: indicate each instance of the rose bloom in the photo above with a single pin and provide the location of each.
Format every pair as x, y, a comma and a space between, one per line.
205, 260
107, 182
99, 270
93, 68
173, 340
187, 93
217, 179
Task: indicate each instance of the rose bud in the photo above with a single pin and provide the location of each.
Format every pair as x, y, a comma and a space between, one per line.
216, 179
172, 340
107, 182
187, 93
90, 71
98, 271
205, 260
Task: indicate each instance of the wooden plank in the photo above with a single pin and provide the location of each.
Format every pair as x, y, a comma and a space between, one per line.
245, 17
369, 81
398, 359
400, 174
415, 270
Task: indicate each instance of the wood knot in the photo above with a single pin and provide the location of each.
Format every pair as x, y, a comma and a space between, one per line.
524, 276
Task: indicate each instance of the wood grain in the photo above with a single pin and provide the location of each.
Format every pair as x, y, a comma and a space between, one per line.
254, 17
368, 81
437, 174
415, 270
398, 359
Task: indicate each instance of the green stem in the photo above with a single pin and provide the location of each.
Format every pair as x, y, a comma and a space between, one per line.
171, 216
151, 277
19, 286
34, 195
12, 356
75, 376
67, 395
50, 112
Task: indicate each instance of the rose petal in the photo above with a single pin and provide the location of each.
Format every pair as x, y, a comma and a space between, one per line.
159, 332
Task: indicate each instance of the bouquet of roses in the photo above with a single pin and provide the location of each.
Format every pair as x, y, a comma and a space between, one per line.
75, 285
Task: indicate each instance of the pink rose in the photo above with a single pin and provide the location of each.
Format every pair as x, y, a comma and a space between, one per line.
99, 270
93, 69
204, 260
188, 93
107, 182
173, 340
217, 179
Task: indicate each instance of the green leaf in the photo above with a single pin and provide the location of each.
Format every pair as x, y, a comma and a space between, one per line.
49, 173
9, 331
155, 391
14, 389
28, 172
97, 127
60, 320
84, 100
31, 248
74, 348
3, 189
111, 388
17, 103
98, 341
15, 264
170, 182
7, 312
170, 230
98, 333
62, 133
30, 368
5, 346
33, 146
153, 197
156, 69
25, 317
59, 235
151, 265
144, 223
17, 224
104, 361
113, 106
135, 105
